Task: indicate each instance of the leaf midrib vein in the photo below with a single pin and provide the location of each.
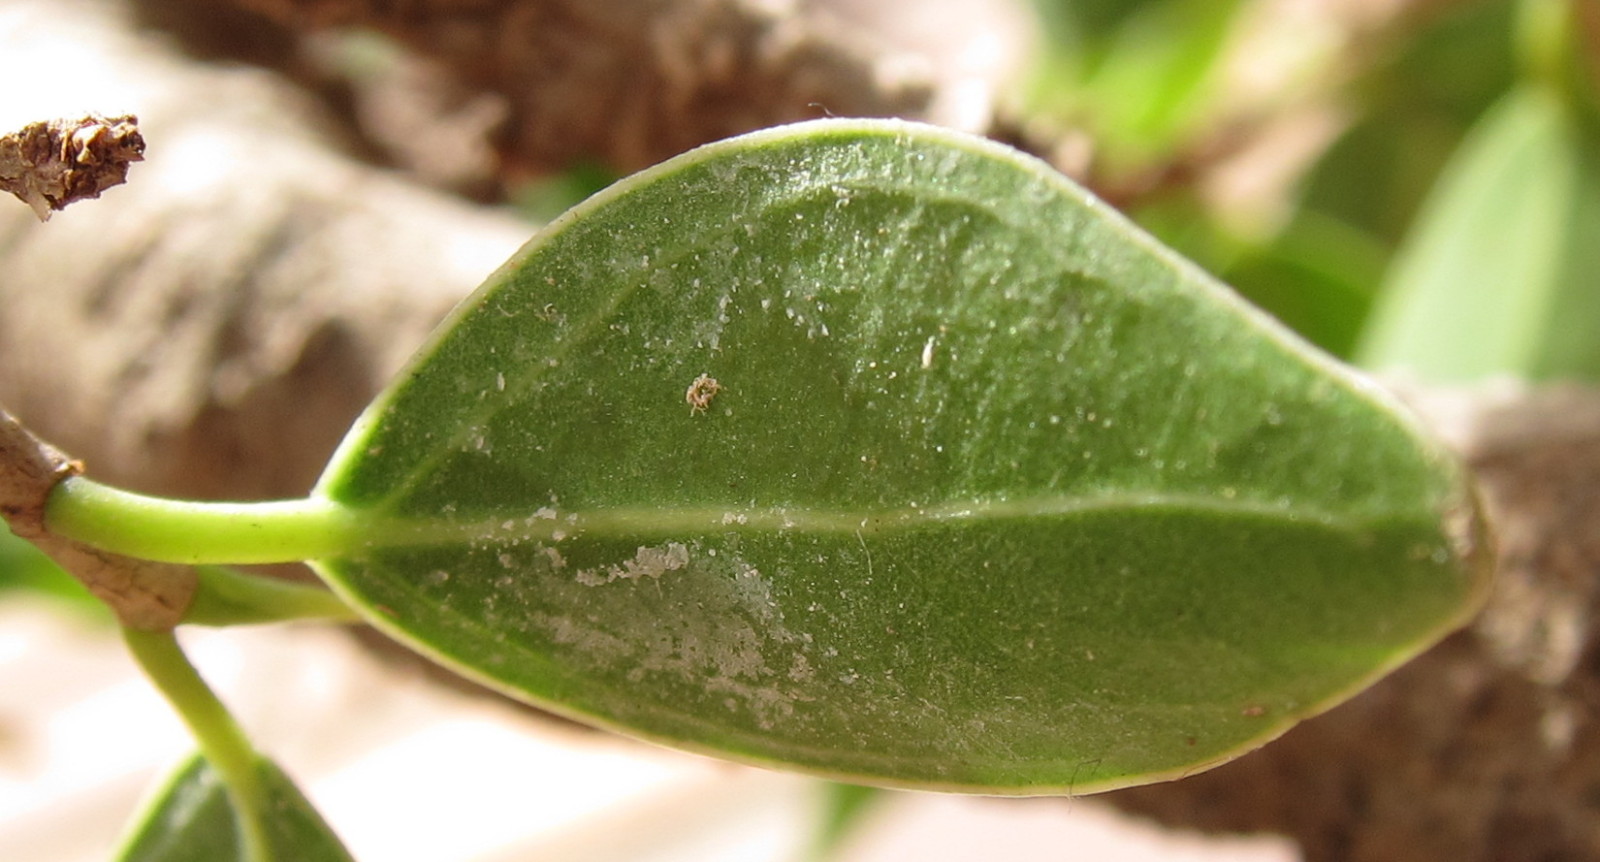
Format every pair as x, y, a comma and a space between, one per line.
644, 523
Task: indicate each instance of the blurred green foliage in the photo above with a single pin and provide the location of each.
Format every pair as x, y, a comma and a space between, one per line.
1375, 218
1415, 104
843, 809
24, 568
1139, 75
541, 200
1501, 275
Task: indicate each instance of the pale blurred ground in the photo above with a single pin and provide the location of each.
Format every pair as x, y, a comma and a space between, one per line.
408, 771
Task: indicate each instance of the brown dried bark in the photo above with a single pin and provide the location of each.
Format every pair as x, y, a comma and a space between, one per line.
143, 594
52, 163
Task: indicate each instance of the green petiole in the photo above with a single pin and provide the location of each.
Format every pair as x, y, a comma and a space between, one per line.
221, 740
230, 598
180, 531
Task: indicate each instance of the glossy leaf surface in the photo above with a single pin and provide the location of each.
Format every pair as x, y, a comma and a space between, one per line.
992, 493
192, 819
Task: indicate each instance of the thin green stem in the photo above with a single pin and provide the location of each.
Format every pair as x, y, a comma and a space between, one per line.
221, 740
228, 597
180, 531
1544, 43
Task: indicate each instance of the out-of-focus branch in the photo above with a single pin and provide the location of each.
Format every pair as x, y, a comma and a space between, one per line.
629, 83
213, 328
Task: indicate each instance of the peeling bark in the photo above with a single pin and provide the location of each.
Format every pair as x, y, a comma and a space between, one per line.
144, 595
53, 163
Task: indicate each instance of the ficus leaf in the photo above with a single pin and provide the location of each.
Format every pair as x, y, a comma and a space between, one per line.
192, 819
887, 453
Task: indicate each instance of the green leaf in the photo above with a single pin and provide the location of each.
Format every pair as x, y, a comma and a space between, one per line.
993, 493
844, 808
1317, 277
1413, 106
1142, 86
1498, 276
192, 818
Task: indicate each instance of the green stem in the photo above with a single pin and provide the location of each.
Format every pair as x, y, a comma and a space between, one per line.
180, 531
219, 736
227, 597
1544, 43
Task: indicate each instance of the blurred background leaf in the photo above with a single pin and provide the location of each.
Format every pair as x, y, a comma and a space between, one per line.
1501, 274
24, 569
1304, 160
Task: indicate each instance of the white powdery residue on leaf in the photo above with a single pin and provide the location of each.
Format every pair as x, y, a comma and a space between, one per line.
715, 622
587, 637
544, 513
592, 577
647, 562
654, 562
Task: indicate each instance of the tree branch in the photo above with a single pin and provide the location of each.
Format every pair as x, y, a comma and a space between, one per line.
51, 164
144, 595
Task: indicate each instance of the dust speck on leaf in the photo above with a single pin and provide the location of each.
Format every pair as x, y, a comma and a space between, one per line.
700, 392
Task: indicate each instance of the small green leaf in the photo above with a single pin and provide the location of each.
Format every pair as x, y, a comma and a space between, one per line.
192, 818
1499, 274
844, 808
990, 492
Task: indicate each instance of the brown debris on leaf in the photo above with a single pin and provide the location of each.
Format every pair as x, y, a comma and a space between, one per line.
57, 162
